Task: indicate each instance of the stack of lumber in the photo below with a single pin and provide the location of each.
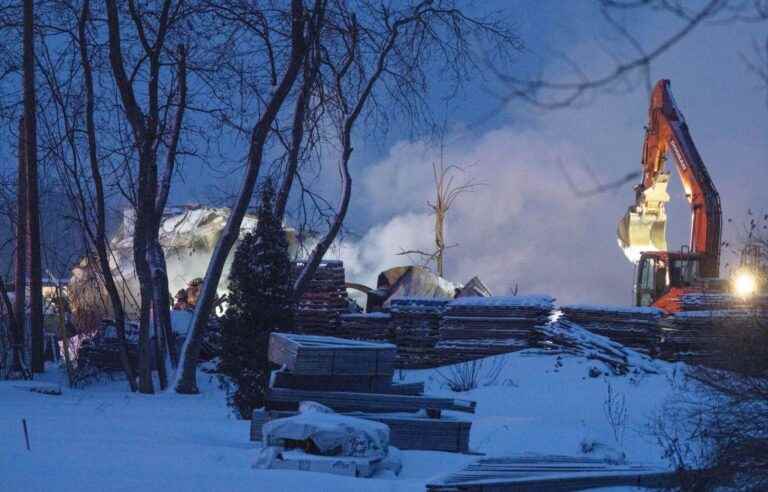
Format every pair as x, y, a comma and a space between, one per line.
406, 431
330, 356
366, 326
415, 327
634, 327
318, 310
708, 336
474, 327
355, 377
528, 473
709, 301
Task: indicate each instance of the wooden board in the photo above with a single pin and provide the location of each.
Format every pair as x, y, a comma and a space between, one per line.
550, 473
289, 399
405, 431
315, 355
357, 384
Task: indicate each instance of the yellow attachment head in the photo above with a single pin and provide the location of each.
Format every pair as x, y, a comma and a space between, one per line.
644, 227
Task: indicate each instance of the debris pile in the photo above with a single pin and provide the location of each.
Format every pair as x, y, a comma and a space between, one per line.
318, 310
354, 378
474, 327
634, 327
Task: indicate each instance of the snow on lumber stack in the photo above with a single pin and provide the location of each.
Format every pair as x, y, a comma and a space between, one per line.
406, 431
635, 327
318, 439
415, 327
528, 473
318, 310
563, 336
330, 356
475, 327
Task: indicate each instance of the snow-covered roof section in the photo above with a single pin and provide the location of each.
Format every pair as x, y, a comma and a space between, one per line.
532, 300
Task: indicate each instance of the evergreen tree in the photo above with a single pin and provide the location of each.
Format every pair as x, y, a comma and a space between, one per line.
259, 303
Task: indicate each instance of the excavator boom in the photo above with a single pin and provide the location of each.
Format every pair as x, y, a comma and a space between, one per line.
643, 228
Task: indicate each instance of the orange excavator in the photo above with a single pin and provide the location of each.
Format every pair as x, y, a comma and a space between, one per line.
662, 276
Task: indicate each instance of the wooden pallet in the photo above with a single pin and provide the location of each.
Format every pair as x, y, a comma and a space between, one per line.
289, 399
406, 431
550, 473
314, 355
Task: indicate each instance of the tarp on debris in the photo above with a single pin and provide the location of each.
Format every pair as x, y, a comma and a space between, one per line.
330, 433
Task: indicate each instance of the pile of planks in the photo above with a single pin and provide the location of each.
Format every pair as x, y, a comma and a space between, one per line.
528, 473
366, 326
318, 310
634, 327
474, 327
406, 430
355, 377
708, 336
711, 301
415, 328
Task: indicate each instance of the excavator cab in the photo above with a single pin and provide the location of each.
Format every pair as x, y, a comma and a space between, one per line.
662, 275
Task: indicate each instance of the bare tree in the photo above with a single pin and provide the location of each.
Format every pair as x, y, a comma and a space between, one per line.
372, 62
186, 379
447, 190
146, 132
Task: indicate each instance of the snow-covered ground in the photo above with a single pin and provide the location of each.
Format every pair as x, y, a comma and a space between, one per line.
105, 438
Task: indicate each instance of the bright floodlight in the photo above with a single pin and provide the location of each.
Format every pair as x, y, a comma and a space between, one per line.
745, 284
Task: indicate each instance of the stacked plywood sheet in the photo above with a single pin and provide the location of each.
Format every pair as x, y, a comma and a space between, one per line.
475, 327
634, 327
329, 356
415, 327
353, 376
366, 326
528, 473
318, 310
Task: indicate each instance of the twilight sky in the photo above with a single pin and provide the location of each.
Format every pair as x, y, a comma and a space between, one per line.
526, 226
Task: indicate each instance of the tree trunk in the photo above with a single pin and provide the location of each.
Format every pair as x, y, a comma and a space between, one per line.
186, 379
20, 271
33, 208
440, 238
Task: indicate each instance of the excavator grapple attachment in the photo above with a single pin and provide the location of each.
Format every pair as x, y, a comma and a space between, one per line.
638, 233
644, 226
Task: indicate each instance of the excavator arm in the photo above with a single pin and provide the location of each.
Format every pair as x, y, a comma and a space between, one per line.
643, 228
